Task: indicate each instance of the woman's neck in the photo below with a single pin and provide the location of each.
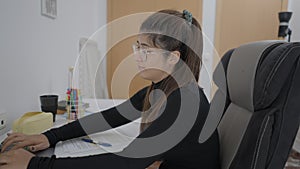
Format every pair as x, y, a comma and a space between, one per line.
160, 78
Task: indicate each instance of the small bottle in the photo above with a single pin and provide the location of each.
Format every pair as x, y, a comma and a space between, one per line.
69, 92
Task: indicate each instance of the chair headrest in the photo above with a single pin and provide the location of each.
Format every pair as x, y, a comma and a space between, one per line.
273, 70
242, 70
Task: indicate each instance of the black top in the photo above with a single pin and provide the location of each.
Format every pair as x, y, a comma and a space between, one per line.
187, 153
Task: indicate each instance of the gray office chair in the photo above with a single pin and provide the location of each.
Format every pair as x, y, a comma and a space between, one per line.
262, 111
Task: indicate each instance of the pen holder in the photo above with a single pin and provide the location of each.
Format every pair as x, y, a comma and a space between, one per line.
74, 104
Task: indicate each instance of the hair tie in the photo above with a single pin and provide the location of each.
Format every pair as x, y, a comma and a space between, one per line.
188, 16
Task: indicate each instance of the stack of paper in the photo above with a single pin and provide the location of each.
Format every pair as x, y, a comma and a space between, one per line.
119, 138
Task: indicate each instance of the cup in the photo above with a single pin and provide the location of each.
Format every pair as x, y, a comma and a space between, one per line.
49, 103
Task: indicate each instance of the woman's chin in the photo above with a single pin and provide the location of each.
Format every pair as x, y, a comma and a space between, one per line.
143, 74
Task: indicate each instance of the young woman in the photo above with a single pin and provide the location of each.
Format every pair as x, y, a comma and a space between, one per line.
173, 108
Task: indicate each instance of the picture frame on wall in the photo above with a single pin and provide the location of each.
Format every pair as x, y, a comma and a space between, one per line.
49, 8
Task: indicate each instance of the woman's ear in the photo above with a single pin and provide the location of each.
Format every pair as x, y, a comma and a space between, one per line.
174, 57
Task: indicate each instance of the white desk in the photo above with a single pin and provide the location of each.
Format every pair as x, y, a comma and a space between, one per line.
131, 129
95, 105
119, 137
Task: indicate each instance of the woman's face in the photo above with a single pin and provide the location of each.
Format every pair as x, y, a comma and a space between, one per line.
152, 62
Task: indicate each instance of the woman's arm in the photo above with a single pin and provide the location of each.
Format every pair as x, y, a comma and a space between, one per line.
101, 121
130, 157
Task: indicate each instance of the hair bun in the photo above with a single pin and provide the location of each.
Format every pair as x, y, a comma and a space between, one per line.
188, 16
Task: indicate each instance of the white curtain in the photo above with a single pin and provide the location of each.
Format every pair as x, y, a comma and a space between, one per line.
92, 70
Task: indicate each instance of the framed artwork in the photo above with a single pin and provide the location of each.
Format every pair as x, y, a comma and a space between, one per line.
49, 8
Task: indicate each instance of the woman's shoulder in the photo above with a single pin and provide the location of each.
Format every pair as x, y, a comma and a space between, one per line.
190, 91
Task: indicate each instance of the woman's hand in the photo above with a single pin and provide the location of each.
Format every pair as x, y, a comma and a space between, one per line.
31, 142
15, 159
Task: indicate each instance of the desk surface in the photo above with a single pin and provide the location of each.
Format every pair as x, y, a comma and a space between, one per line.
119, 137
95, 105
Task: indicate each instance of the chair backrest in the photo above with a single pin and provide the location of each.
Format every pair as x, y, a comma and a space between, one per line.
262, 116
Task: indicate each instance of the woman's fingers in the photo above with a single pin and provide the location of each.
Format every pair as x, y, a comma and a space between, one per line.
32, 143
14, 134
3, 159
12, 141
11, 136
38, 147
21, 145
15, 159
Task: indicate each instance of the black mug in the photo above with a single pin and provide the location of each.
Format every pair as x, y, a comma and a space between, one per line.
49, 103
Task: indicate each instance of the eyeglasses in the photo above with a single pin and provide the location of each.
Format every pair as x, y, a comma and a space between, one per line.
142, 52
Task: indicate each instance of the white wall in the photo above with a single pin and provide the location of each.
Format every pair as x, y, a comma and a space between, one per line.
208, 27
294, 6
36, 51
